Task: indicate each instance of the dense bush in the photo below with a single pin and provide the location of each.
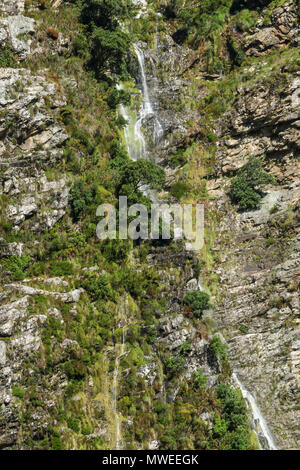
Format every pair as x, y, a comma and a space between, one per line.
118, 154
116, 97
18, 391
109, 49
81, 197
98, 286
246, 187
56, 443
217, 348
198, 301
142, 172
105, 13
246, 19
179, 190
17, 265
174, 364
235, 414
205, 20
6, 56
109, 43
116, 251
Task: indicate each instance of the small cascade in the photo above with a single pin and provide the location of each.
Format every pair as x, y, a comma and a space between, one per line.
134, 137
257, 417
133, 132
146, 108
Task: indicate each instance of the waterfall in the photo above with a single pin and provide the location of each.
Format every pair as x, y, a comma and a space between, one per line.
147, 109
134, 137
257, 416
136, 146
133, 133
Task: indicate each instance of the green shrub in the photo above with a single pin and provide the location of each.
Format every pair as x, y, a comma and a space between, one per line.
217, 348
17, 265
116, 97
75, 369
105, 13
118, 155
178, 159
246, 19
82, 196
74, 424
98, 286
179, 190
6, 56
81, 47
109, 50
246, 187
200, 381
198, 301
18, 391
56, 443
60, 268
174, 364
220, 428
116, 251
142, 172
234, 407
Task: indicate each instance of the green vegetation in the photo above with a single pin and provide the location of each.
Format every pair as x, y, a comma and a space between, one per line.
179, 190
198, 301
109, 44
18, 391
246, 19
246, 187
17, 266
233, 428
217, 348
6, 56
117, 282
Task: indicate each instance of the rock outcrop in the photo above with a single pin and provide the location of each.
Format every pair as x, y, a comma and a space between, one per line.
31, 135
279, 31
12, 7
15, 31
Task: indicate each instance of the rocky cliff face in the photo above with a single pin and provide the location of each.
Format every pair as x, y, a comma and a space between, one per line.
60, 340
256, 253
259, 254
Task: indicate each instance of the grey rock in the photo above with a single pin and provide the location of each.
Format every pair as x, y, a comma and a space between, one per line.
2, 353
12, 7
16, 31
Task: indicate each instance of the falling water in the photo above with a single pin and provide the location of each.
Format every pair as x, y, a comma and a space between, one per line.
134, 138
133, 132
147, 109
257, 416
136, 146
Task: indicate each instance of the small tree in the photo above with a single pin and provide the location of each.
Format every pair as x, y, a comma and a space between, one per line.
105, 13
109, 49
198, 301
246, 187
142, 172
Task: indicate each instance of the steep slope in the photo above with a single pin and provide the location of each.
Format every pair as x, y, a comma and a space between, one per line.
98, 349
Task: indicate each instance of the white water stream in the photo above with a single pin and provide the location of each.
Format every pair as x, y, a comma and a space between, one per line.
256, 413
147, 108
136, 146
